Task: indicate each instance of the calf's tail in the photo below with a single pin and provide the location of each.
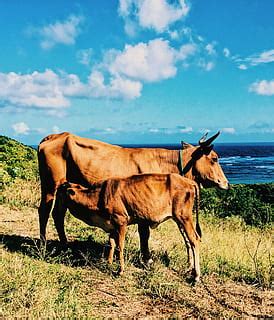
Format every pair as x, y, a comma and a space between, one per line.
53, 201
197, 208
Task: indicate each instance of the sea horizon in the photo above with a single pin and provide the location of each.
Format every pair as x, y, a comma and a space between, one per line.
243, 163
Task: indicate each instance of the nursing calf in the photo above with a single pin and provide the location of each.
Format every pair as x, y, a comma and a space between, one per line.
146, 200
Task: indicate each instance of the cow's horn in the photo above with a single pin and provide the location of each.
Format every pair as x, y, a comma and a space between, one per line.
203, 139
205, 143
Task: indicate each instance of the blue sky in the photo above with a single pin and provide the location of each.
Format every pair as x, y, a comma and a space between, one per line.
137, 71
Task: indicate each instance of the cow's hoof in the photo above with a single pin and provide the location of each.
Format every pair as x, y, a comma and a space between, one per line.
147, 263
63, 246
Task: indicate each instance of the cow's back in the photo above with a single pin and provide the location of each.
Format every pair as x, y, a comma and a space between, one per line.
67, 157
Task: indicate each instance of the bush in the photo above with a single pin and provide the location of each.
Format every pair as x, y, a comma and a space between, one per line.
254, 203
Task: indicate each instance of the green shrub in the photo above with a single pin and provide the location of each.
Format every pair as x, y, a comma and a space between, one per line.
254, 203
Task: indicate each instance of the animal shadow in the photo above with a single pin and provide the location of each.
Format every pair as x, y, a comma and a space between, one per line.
87, 253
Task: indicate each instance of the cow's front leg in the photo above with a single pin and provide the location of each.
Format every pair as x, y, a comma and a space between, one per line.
144, 233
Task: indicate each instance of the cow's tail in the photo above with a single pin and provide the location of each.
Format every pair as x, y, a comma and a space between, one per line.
197, 209
64, 184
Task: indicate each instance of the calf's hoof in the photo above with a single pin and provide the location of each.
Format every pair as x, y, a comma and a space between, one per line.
120, 272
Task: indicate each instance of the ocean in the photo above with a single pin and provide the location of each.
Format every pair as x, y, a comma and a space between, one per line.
242, 163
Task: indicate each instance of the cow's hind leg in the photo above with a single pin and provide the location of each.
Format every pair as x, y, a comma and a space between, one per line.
43, 211
144, 233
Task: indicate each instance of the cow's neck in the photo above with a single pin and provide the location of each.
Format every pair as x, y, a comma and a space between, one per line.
186, 162
168, 160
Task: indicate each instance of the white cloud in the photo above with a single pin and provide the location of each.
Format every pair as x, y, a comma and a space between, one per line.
185, 129
229, 130
39, 89
206, 65
128, 69
210, 49
153, 14
174, 34
118, 87
263, 87
60, 32
52, 91
242, 67
186, 50
149, 62
84, 56
20, 128
154, 130
178, 129
226, 52
56, 129
254, 60
129, 89
264, 57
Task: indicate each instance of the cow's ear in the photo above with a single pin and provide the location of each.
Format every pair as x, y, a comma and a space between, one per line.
185, 145
71, 192
206, 150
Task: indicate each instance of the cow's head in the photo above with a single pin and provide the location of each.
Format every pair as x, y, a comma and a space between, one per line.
203, 164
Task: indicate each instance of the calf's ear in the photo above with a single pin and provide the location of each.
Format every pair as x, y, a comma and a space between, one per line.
71, 192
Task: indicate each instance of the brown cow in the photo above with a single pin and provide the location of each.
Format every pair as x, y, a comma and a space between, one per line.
146, 199
66, 157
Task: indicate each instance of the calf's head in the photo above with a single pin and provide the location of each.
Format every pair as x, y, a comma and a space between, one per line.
69, 190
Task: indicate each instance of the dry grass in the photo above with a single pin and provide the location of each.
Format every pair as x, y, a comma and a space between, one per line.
21, 193
79, 283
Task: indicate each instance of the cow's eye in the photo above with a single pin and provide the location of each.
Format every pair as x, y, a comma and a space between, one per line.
215, 159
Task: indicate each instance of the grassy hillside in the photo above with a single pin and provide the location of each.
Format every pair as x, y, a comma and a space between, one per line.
17, 161
236, 258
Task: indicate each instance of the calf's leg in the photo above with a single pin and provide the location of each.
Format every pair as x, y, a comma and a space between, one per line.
112, 243
187, 223
121, 244
190, 259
